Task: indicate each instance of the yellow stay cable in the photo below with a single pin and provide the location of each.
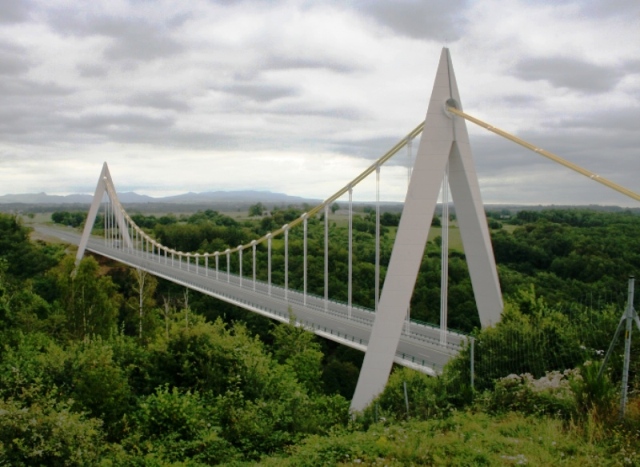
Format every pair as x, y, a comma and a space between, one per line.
389, 154
547, 154
312, 212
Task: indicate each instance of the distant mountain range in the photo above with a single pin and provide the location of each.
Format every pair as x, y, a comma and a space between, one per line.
227, 199
245, 196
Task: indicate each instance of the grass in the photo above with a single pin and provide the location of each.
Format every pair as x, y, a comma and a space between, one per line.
464, 439
455, 239
36, 218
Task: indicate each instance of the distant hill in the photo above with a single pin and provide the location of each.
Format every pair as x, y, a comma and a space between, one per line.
245, 196
43, 198
230, 200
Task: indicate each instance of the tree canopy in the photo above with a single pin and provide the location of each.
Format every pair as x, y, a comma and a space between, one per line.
102, 364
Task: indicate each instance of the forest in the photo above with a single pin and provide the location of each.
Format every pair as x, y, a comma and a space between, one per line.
105, 365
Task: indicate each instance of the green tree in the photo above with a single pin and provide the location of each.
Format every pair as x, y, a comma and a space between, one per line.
90, 299
49, 432
73, 219
257, 209
298, 348
176, 426
143, 302
99, 385
24, 259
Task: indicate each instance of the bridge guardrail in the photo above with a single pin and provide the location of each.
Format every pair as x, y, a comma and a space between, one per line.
342, 336
296, 297
327, 330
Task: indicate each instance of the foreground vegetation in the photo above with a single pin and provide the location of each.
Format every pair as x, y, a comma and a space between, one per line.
108, 366
465, 438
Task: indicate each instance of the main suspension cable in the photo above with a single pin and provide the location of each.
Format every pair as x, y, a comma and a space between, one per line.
547, 154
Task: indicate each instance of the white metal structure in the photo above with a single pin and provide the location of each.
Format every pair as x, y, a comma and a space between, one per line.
426, 348
444, 141
104, 186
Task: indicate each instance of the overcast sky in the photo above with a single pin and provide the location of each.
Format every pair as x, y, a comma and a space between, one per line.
300, 96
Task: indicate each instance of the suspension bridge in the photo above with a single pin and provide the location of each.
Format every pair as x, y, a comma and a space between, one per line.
386, 333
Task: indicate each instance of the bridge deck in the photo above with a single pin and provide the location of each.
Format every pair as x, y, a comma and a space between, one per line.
420, 345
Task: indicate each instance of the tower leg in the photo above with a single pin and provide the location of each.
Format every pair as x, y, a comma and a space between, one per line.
444, 139
105, 185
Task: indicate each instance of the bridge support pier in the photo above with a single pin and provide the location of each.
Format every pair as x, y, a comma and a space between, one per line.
444, 140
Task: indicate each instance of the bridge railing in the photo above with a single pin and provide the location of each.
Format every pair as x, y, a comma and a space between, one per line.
148, 263
314, 302
136, 237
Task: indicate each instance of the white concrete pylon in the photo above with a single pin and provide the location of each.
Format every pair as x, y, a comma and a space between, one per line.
105, 185
444, 139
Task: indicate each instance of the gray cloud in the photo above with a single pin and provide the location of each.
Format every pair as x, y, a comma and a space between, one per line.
373, 148
610, 8
418, 19
520, 100
133, 39
569, 73
44, 114
46, 128
632, 66
278, 62
49, 110
305, 109
500, 159
158, 100
27, 127
120, 122
28, 110
611, 121
137, 40
593, 149
92, 71
260, 92
13, 60
14, 11
30, 89
122, 127
214, 139
285, 62
601, 9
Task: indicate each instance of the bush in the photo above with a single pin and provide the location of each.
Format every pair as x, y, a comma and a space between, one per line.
97, 384
48, 433
551, 394
175, 426
267, 425
29, 363
428, 397
595, 395
530, 338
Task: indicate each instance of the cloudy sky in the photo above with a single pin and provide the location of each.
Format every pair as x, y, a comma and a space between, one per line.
299, 96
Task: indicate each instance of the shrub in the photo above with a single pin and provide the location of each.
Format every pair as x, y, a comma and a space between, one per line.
174, 426
97, 384
48, 433
551, 394
428, 397
594, 395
